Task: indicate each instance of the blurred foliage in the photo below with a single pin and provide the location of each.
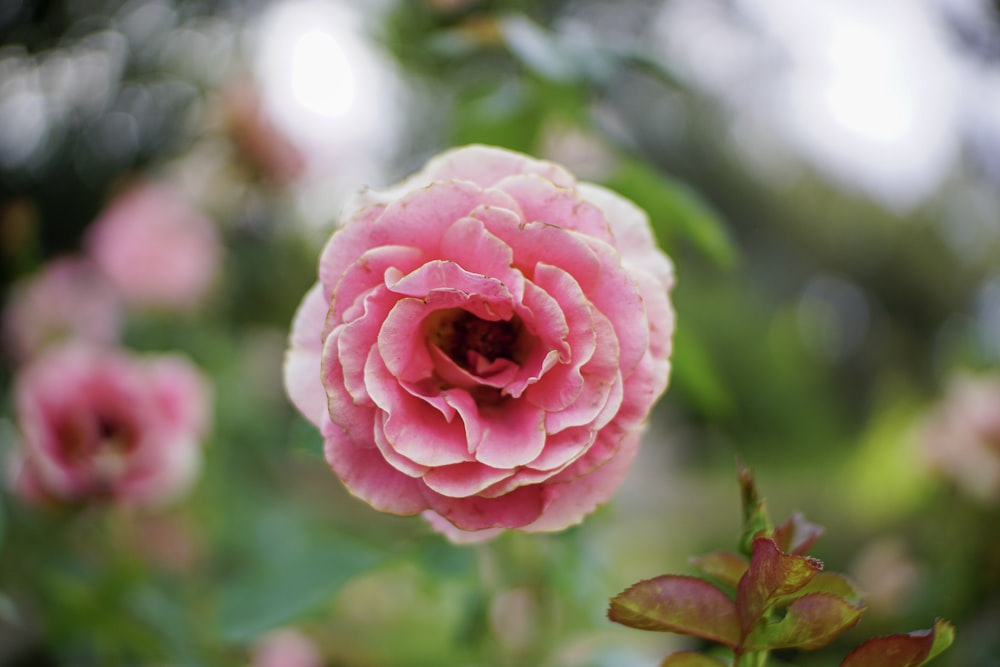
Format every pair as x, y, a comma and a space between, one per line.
815, 331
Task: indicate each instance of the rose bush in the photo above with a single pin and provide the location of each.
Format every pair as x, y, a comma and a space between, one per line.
484, 343
101, 425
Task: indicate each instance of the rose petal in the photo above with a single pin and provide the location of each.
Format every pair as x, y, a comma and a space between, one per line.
633, 235
511, 434
457, 535
354, 416
600, 375
567, 504
412, 427
462, 480
486, 165
469, 244
518, 508
366, 475
369, 272
616, 295
543, 201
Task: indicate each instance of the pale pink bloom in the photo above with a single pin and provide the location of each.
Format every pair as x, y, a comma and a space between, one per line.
285, 648
962, 437
484, 344
100, 425
66, 298
155, 248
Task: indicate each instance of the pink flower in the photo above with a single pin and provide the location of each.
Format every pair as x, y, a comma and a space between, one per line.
484, 344
286, 648
962, 437
67, 298
100, 425
155, 248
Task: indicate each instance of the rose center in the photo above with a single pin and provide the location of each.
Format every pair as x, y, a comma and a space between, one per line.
458, 333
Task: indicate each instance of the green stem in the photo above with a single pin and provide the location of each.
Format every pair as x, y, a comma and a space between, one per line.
752, 659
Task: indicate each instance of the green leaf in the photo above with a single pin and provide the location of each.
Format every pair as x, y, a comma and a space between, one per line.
507, 114
675, 210
690, 659
810, 622
541, 51
826, 582
674, 603
755, 519
796, 535
909, 650
300, 582
696, 373
772, 576
725, 567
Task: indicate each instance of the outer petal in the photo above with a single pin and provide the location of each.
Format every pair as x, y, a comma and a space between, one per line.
367, 475
543, 201
513, 510
303, 382
633, 235
457, 535
486, 166
463, 479
567, 504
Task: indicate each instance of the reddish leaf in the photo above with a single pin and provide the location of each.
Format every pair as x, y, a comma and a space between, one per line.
690, 659
812, 621
909, 650
796, 535
772, 576
673, 603
724, 567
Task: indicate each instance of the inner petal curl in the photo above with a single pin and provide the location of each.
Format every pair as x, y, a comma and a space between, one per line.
474, 343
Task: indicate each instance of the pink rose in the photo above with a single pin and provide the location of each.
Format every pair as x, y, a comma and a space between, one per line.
67, 298
286, 648
962, 437
100, 425
155, 248
484, 344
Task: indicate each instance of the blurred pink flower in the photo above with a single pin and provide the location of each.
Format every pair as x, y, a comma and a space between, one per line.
962, 437
484, 344
101, 425
259, 142
155, 248
66, 298
285, 648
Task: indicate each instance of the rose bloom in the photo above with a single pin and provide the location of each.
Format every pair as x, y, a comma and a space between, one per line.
484, 343
66, 298
101, 425
962, 437
155, 248
286, 647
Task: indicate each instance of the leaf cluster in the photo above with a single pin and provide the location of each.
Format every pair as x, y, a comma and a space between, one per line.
770, 596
